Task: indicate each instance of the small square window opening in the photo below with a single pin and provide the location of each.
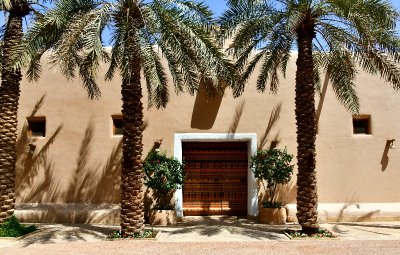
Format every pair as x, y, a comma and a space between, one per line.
362, 124
37, 126
117, 124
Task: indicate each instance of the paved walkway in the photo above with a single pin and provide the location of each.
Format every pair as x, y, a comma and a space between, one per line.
229, 232
365, 230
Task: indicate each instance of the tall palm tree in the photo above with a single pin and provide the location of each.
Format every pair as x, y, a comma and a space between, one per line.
15, 11
143, 33
334, 36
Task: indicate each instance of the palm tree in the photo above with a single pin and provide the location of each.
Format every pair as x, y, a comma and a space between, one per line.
16, 10
334, 36
143, 32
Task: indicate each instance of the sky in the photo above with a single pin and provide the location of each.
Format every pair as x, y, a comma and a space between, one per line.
218, 6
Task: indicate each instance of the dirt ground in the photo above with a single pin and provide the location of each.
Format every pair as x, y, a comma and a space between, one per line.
126, 247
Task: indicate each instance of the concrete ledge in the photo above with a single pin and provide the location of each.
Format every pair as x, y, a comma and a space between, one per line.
355, 212
68, 213
110, 213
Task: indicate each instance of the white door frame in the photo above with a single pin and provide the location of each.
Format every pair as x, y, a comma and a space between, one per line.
251, 138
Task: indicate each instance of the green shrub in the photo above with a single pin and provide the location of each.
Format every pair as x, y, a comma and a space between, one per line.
12, 228
147, 233
321, 233
272, 166
163, 174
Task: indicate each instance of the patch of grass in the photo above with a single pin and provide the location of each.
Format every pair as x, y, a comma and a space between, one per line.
12, 228
321, 233
147, 233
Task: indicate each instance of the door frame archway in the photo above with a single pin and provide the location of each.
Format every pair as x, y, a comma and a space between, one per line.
250, 138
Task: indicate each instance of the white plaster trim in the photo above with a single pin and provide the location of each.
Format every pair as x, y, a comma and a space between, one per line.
252, 190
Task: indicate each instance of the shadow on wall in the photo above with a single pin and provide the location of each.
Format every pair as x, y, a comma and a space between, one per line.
236, 118
273, 119
322, 95
39, 193
90, 186
92, 195
35, 170
285, 193
351, 215
150, 212
385, 157
206, 106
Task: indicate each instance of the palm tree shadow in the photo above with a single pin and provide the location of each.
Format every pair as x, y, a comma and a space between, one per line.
213, 226
66, 233
206, 107
91, 189
76, 193
368, 227
273, 119
379, 225
88, 188
29, 175
236, 118
356, 222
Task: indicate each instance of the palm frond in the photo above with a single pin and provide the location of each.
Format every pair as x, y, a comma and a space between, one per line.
45, 33
278, 50
34, 68
156, 79
342, 70
5, 5
373, 61
80, 47
245, 75
191, 43
252, 33
364, 13
239, 12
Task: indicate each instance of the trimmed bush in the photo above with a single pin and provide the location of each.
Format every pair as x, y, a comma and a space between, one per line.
272, 166
163, 175
12, 228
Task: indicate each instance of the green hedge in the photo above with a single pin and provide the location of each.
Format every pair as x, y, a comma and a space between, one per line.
12, 228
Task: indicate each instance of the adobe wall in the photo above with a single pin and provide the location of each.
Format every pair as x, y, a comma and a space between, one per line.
78, 161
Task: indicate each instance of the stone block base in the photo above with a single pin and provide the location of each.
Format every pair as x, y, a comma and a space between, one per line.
69, 213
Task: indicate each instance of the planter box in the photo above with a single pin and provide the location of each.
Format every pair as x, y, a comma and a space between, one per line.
273, 216
162, 217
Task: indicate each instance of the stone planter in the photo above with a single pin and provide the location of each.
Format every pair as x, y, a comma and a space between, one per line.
162, 217
273, 216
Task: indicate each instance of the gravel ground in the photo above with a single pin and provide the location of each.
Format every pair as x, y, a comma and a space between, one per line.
210, 235
325, 247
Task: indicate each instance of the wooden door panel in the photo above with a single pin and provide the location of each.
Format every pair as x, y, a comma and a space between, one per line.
216, 178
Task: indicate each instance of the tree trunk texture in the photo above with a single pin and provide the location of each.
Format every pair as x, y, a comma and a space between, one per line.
132, 178
9, 96
306, 130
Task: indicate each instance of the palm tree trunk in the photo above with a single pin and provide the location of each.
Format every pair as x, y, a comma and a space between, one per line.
306, 130
9, 96
132, 194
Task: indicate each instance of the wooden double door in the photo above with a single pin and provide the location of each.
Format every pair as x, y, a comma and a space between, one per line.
215, 178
